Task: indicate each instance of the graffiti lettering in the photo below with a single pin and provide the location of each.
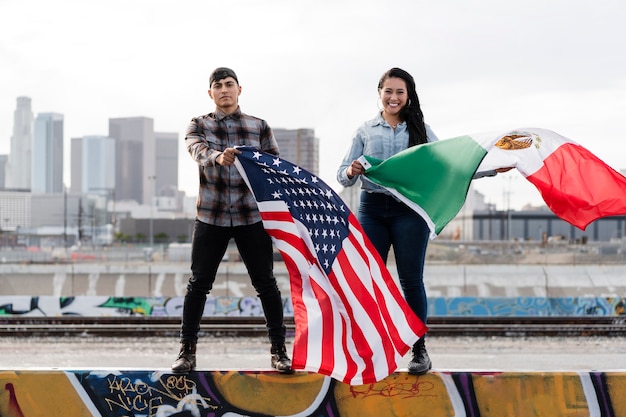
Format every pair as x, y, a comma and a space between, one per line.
138, 395
419, 388
180, 383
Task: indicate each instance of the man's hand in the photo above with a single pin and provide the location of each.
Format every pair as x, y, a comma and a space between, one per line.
227, 157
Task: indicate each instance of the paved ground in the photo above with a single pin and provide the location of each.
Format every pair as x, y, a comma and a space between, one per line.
225, 353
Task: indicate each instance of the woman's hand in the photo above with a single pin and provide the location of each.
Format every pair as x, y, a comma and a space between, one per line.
355, 169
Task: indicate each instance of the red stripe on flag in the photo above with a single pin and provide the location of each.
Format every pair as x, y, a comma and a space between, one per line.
351, 366
281, 216
300, 314
328, 330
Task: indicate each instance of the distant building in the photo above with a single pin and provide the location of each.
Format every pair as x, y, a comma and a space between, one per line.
47, 154
15, 209
166, 171
541, 223
58, 209
93, 165
4, 159
135, 158
18, 167
28, 214
146, 162
300, 147
164, 230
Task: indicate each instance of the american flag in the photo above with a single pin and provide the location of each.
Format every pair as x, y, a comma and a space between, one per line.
352, 322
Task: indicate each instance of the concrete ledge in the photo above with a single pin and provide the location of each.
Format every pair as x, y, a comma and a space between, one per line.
445, 280
159, 393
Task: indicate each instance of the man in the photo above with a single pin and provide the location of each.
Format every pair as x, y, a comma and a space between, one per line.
227, 209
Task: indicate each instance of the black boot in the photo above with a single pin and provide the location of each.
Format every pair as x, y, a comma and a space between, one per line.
420, 363
186, 360
280, 360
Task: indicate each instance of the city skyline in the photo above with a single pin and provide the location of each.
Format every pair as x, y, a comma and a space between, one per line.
512, 183
131, 162
123, 166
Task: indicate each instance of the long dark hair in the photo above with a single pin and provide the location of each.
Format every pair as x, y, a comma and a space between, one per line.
411, 113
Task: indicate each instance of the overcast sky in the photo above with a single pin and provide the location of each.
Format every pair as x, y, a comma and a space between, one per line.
485, 65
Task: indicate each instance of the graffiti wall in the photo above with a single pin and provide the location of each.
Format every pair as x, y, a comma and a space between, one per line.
527, 306
251, 393
104, 306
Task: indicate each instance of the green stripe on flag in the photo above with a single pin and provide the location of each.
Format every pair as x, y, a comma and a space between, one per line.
433, 178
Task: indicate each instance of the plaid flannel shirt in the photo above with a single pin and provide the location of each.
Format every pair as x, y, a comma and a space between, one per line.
224, 198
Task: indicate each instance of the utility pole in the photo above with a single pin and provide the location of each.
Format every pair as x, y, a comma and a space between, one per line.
65, 216
152, 178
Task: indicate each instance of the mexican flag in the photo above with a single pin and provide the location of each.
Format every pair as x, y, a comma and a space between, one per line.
433, 178
574, 183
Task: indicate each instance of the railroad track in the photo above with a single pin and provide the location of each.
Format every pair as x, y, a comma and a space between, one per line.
140, 326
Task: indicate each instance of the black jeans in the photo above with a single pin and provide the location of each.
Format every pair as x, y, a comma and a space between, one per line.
209, 244
388, 222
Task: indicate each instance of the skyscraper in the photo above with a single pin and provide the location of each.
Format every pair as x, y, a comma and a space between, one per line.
135, 158
166, 154
47, 152
18, 167
93, 165
4, 159
300, 147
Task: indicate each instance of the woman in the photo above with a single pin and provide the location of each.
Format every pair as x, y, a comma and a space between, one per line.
385, 220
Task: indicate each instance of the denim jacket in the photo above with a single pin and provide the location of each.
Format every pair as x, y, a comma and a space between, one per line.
378, 139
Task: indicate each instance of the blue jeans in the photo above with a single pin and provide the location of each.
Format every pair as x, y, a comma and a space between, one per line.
387, 222
209, 244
